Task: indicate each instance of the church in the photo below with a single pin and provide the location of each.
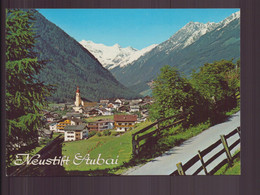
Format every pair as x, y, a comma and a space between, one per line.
79, 103
82, 103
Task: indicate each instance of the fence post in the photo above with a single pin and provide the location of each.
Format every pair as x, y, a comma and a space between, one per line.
202, 162
157, 126
224, 142
133, 144
238, 131
180, 169
137, 143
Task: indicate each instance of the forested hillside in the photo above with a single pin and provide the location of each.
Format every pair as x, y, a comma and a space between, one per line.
187, 50
70, 65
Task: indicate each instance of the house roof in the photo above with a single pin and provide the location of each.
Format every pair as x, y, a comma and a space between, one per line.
49, 115
103, 109
94, 110
85, 99
75, 127
125, 118
75, 119
104, 120
124, 108
63, 119
45, 131
70, 114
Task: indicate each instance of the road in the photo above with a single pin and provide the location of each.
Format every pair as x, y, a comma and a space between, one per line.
166, 163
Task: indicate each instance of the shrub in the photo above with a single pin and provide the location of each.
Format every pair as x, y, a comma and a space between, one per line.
107, 133
92, 133
98, 134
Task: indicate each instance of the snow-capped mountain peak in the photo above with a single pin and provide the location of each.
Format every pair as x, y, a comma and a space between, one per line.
116, 46
229, 19
192, 31
113, 56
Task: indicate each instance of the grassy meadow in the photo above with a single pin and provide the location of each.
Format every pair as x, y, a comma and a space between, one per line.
235, 169
107, 146
96, 118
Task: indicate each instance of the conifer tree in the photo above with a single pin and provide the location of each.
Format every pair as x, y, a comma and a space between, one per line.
25, 94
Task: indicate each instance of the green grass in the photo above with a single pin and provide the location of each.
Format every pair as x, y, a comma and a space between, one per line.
233, 111
44, 143
107, 146
170, 138
113, 146
96, 118
234, 170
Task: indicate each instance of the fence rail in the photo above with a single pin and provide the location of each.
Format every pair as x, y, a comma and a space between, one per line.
181, 169
136, 138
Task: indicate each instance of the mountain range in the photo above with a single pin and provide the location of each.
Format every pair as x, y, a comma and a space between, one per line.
112, 71
189, 48
114, 56
71, 65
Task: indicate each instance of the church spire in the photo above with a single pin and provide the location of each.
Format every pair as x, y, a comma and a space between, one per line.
78, 99
77, 89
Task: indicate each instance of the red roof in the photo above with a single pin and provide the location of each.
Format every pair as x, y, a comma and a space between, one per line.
77, 89
125, 118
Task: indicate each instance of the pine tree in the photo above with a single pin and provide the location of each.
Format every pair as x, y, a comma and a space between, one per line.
25, 94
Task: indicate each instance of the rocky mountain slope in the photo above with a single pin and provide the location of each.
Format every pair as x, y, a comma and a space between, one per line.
189, 48
70, 65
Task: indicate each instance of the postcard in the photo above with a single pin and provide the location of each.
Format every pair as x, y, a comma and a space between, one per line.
105, 92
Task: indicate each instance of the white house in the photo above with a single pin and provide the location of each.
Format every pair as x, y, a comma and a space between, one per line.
75, 121
136, 101
116, 105
53, 127
104, 101
118, 101
134, 108
75, 132
123, 123
105, 111
74, 114
49, 117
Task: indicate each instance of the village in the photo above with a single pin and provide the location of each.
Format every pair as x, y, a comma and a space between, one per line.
83, 119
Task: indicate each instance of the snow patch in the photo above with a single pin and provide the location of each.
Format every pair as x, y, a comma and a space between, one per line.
113, 56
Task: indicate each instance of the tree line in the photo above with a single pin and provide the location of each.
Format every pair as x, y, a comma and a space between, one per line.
207, 94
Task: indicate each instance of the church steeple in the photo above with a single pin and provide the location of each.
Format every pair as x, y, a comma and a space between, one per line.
77, 89
78, 99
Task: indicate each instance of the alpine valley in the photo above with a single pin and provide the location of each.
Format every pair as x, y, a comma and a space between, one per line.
189, 48
70, 65
112, 71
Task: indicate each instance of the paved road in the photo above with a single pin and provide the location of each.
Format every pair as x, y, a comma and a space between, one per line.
166, 164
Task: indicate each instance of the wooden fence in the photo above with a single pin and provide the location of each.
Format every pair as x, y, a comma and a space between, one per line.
136, 138
181, 169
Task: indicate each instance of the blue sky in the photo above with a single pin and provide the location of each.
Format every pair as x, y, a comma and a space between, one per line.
138, 28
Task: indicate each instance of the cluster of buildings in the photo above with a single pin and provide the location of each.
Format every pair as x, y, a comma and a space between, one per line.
110, 106
74, 127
